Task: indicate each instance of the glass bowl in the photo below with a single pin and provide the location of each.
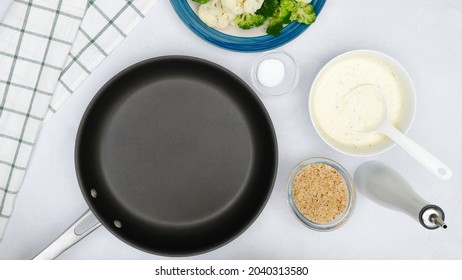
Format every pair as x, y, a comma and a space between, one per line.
351, 196
236, 43
290, 77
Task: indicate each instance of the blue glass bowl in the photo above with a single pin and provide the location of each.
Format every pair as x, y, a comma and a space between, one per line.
235, 43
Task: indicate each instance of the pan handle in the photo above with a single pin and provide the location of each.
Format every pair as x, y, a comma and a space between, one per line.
85, 225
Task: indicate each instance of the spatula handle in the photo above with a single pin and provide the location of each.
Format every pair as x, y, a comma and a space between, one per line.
424, 157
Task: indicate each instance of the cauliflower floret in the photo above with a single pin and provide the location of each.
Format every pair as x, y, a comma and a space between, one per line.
233, 6
251, 6
221, 13
214, 15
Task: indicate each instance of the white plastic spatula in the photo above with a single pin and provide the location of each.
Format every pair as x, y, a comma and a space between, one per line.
385, 127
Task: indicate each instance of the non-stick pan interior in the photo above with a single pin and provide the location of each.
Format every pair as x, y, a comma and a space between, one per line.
176, 156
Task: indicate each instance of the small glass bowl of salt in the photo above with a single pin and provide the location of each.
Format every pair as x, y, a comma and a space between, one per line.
275, 73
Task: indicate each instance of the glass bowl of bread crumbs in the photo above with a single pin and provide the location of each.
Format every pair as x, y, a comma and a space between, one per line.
321, 194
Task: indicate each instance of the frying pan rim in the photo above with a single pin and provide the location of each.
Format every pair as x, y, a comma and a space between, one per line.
185, 58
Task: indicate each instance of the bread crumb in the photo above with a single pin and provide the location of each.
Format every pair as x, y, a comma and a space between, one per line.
320, 193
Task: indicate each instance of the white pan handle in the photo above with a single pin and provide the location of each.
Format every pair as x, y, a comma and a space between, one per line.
85, 225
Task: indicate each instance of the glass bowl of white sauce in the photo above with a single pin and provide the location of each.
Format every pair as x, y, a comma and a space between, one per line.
334, 117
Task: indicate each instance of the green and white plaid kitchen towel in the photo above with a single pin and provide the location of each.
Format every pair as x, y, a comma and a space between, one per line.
47, 49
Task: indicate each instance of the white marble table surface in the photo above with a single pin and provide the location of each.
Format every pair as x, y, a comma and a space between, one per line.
425, 36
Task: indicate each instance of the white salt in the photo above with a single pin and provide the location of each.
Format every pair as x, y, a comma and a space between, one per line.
270, 72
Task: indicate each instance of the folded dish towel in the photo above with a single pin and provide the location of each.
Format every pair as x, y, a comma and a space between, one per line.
47, 49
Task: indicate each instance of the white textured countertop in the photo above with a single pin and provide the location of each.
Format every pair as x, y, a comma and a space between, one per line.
424, 36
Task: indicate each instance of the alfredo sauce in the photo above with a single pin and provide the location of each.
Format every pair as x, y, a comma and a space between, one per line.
338, 111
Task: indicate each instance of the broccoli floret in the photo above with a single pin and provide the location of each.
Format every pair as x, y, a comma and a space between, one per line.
303, 13
283, 12
280, 18
247, 21
274, 28
202, 1
268, 8
277, 22
276, 13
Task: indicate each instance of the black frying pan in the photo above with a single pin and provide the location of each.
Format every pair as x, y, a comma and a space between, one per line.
176, 156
